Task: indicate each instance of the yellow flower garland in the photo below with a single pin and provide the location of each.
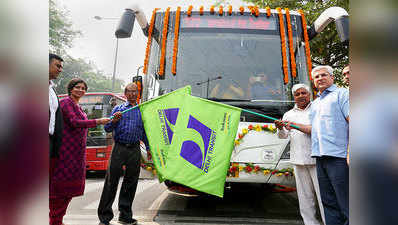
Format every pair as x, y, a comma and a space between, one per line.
175, 48
148, 45
307, 44
290, 37
283, 44
164, 38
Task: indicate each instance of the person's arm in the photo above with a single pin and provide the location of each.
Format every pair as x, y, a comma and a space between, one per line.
71, 117
113, 123
302, 127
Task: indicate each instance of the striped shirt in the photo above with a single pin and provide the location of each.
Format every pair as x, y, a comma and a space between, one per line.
129, 129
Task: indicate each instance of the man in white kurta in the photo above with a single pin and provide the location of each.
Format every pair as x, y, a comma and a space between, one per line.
300, 155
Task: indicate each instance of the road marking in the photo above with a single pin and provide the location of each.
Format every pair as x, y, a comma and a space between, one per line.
156, 204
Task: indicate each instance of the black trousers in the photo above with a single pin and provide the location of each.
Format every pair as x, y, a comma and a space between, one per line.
130, 157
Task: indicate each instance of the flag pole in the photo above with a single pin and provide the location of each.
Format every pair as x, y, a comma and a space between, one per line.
268, 117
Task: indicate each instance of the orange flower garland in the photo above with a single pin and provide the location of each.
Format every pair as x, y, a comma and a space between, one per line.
307, 44
291, 50
268, 11
148, 45
242, 10
164, 38
212, 9
256, 11
189, 12
175, 48
220, 10
230, 10
283, 43
201, 9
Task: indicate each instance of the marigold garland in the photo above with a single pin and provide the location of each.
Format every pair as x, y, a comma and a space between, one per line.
307, 44
220, 10
189, 12
242, 10
268, 11
175, 48
256, 11
149, 42
283, 44
258, 128
164, 38
201, 9
212, 9
290, 39
230, 10
235, 168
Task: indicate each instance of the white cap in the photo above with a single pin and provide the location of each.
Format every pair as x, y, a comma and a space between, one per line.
298, 86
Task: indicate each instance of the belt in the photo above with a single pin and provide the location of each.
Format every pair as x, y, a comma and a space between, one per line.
128, 145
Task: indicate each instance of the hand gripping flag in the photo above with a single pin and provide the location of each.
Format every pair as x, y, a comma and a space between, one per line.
191, 139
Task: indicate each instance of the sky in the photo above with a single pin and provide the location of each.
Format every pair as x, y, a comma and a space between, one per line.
98, 42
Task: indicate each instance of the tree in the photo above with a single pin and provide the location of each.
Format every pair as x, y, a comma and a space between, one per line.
96, 80
326, 49
61, 34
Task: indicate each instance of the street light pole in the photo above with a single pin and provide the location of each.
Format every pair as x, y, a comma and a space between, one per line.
116, 50
114, 65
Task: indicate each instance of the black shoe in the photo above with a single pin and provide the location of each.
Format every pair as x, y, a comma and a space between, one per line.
128, 221
103, 223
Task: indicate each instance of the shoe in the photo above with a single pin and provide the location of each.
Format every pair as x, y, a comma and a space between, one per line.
129, 221
103, 223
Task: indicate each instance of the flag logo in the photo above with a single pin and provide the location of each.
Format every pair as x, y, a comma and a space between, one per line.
168, 118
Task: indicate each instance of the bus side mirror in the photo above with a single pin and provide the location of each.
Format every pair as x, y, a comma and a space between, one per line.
126, 24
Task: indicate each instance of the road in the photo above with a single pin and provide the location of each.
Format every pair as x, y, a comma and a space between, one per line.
154, 204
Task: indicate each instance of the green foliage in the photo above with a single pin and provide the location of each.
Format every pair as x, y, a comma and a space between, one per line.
326, 48
61, 34
95, 79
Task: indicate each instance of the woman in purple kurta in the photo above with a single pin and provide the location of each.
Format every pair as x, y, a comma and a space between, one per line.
67, 180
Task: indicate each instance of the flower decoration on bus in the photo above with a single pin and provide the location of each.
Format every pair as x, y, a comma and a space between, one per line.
290, 40
307, 43
189, 12
220, 10
268, 9
230, 10
212, 9
241, 10
149, 42
256, 128
235, 169
283, 46
175, 47
201, 10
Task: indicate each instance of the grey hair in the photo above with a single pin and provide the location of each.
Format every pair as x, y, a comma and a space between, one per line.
298, 86
328, 68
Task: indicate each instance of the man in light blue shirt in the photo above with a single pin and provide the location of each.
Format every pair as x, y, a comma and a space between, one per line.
329, 118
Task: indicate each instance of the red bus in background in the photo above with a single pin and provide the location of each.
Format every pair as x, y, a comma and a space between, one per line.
99, 143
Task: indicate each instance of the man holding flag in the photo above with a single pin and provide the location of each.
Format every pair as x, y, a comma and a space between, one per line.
128, 132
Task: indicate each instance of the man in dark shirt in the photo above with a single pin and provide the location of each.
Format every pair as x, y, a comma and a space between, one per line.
128, 132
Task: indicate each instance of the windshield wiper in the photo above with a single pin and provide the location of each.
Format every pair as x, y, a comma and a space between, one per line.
229, 100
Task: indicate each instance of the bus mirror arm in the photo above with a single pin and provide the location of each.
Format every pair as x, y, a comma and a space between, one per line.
336, 14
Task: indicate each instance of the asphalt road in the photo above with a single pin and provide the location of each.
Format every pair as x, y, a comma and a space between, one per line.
154, 204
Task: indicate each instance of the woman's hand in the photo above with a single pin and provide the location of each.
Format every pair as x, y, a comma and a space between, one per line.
102, 121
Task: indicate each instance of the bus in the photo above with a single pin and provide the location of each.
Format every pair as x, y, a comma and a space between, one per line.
99, 143
248, 57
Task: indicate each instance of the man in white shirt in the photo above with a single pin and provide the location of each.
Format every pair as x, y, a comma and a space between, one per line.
300, 155
55, 120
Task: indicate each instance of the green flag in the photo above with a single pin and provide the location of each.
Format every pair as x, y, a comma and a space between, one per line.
191, 139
